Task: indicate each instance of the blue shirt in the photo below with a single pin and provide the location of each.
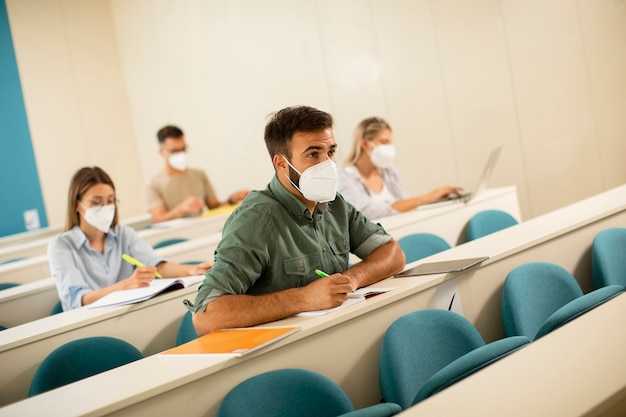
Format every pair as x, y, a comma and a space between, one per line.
272, 242
78, 269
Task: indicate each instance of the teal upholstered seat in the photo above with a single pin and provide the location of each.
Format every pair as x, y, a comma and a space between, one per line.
168, 242
7, 285
80, 359
420, 245
578, 307
191, 262
538, 297
186, 331
58, 308
469, 363
608, 257
8, 261
488, 221
426, 351
294, 392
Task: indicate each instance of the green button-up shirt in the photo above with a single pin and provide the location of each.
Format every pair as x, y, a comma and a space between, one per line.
272, 242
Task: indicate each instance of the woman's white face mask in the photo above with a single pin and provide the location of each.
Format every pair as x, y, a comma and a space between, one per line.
100, 217
178, 161
319, 182
383, 156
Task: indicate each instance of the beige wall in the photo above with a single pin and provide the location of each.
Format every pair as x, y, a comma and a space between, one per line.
545, 78
75, 97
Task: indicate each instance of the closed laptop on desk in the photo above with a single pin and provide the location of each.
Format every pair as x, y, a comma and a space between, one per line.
442, 267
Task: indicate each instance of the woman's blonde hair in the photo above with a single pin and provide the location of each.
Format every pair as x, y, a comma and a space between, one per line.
368, 129
83, 180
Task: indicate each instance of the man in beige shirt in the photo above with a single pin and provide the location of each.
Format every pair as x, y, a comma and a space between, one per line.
179, 191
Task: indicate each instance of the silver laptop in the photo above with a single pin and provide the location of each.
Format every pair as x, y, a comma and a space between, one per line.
442, 267
481, 184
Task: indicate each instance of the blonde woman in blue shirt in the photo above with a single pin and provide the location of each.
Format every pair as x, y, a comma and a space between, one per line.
86, 260
371, 182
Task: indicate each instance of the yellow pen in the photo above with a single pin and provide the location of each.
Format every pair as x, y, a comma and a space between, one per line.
135, 262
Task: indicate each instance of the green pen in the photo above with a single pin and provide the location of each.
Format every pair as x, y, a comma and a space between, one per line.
321, 273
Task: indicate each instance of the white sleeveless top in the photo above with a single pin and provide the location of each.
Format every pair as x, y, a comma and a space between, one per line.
383, 196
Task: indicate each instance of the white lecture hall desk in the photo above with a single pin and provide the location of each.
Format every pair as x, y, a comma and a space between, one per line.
443, 218
343, 345
575, 371
35, 300
29, 236
151, 232
448, 221
37, 267
34, 242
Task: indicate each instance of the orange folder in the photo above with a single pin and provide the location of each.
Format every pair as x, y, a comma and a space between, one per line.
236, 342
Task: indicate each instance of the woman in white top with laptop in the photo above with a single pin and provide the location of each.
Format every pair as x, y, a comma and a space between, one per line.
371, 182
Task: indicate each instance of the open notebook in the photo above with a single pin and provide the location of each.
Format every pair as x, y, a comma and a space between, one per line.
135, 295
353, 298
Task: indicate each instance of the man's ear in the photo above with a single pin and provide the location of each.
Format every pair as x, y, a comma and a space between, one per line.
279, 162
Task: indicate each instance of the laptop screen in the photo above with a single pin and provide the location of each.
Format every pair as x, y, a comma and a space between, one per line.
483, 180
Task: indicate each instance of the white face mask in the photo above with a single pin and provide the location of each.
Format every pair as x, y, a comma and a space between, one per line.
178, 161
319, 182
100, 217
383, 156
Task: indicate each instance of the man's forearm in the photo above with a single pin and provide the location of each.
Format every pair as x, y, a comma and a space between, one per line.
384, 262
249, 310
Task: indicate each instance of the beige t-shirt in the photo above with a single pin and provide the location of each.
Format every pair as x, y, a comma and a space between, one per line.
171, 190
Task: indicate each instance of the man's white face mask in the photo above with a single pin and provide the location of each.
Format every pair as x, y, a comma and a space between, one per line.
319, 182
383, 156
178, 161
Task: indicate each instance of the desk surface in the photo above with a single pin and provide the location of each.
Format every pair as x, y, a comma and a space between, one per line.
34, 242
155, 385
37, 267
35, 251
449, 221
577, 370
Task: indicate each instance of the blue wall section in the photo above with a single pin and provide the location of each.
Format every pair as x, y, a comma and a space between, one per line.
19, 181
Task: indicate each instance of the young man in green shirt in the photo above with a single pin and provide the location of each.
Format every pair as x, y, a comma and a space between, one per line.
274, 241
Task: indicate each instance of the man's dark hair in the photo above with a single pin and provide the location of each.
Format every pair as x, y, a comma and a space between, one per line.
283, 124
169, 131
